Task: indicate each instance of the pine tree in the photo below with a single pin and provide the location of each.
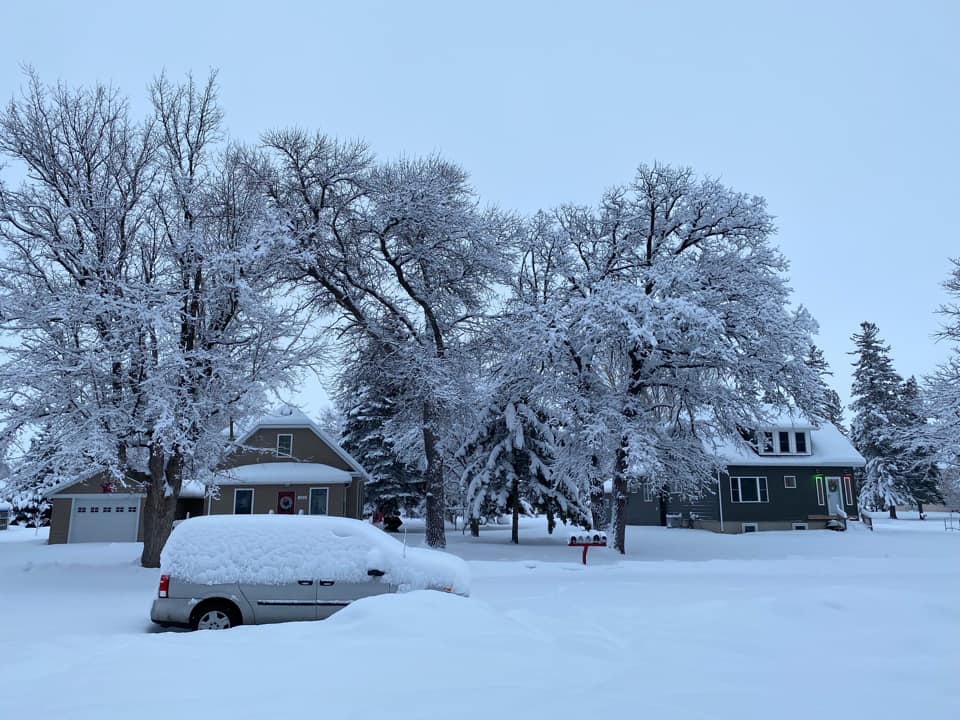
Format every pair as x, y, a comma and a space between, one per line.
830, 409
923, 477
508, 466
369, 402
878, 421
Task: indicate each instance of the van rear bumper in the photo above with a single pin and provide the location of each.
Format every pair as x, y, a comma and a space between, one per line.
172, 611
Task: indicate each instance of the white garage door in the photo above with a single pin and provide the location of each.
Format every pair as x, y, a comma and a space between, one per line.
103, 518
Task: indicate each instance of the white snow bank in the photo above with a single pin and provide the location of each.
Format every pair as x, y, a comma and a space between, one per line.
284, 473
275, 549
4, 505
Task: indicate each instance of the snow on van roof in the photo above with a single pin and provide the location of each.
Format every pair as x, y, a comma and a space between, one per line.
278, 549
284, 473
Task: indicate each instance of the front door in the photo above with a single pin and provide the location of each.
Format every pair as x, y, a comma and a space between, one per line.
282, 603
834, 497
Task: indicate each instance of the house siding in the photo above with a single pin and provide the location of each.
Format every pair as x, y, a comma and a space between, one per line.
785, 507
261, 447
265, 498
59, 520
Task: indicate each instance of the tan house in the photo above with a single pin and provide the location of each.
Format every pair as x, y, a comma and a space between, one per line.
284, 464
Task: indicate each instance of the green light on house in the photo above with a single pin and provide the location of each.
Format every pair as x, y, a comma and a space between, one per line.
818, 477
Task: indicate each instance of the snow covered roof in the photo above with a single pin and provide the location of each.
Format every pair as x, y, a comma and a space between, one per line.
287, 416
275, 549
4, 505
828, 446
284, 473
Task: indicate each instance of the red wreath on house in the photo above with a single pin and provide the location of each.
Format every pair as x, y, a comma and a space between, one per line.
286, 503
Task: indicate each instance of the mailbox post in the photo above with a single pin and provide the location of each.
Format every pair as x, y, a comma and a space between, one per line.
587, 540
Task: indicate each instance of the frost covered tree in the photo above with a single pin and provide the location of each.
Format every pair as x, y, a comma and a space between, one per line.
667, 319
878, 421
401, 257
942, 397
831, 409
139, 277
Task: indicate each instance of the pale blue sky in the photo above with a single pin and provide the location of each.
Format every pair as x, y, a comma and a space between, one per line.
844, 115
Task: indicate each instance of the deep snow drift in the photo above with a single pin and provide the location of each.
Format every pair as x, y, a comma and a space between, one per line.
689, 625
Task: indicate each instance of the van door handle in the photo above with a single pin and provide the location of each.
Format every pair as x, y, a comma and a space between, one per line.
304, 582
326, 583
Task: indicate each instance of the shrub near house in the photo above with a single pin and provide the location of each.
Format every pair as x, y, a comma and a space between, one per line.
284, 464
791, 475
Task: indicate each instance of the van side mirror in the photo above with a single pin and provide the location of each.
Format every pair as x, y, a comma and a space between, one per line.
375, 573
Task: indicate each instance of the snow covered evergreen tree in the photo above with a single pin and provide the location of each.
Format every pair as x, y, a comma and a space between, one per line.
368, 402
831, 409
919, 456
878, 422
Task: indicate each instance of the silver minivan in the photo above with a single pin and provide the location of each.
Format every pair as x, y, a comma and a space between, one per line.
222, 571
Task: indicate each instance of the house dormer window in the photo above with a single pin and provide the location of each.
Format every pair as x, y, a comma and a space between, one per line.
783, 442
284, 445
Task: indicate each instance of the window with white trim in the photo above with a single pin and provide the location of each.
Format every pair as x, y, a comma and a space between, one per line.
647, 493
848, 490
799, 526
749, 527
790, 481
318, 501
284, 444
821, 498
783, 442
800, 443
243, 501
749, 490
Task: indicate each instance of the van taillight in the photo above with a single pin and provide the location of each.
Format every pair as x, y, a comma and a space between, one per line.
164, 586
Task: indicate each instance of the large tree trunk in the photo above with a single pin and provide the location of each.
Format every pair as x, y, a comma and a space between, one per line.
893, 512
920, 509
551, 521
436, 535
664, 500
619, 501
161, 503
599, 516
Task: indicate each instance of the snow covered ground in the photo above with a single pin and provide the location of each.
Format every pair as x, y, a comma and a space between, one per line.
688, 625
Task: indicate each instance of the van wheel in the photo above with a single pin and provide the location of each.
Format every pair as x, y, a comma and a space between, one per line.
217, 615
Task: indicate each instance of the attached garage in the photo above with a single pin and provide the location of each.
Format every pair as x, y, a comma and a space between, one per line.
104, 518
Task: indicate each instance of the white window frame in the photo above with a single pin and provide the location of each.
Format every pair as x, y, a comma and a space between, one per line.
821, 491
847, 490
806, 442
647, 492
283, 435
326, 504
744, 526
761, 436
790, 487
800, 526
739, 481
253, 494
776, 448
